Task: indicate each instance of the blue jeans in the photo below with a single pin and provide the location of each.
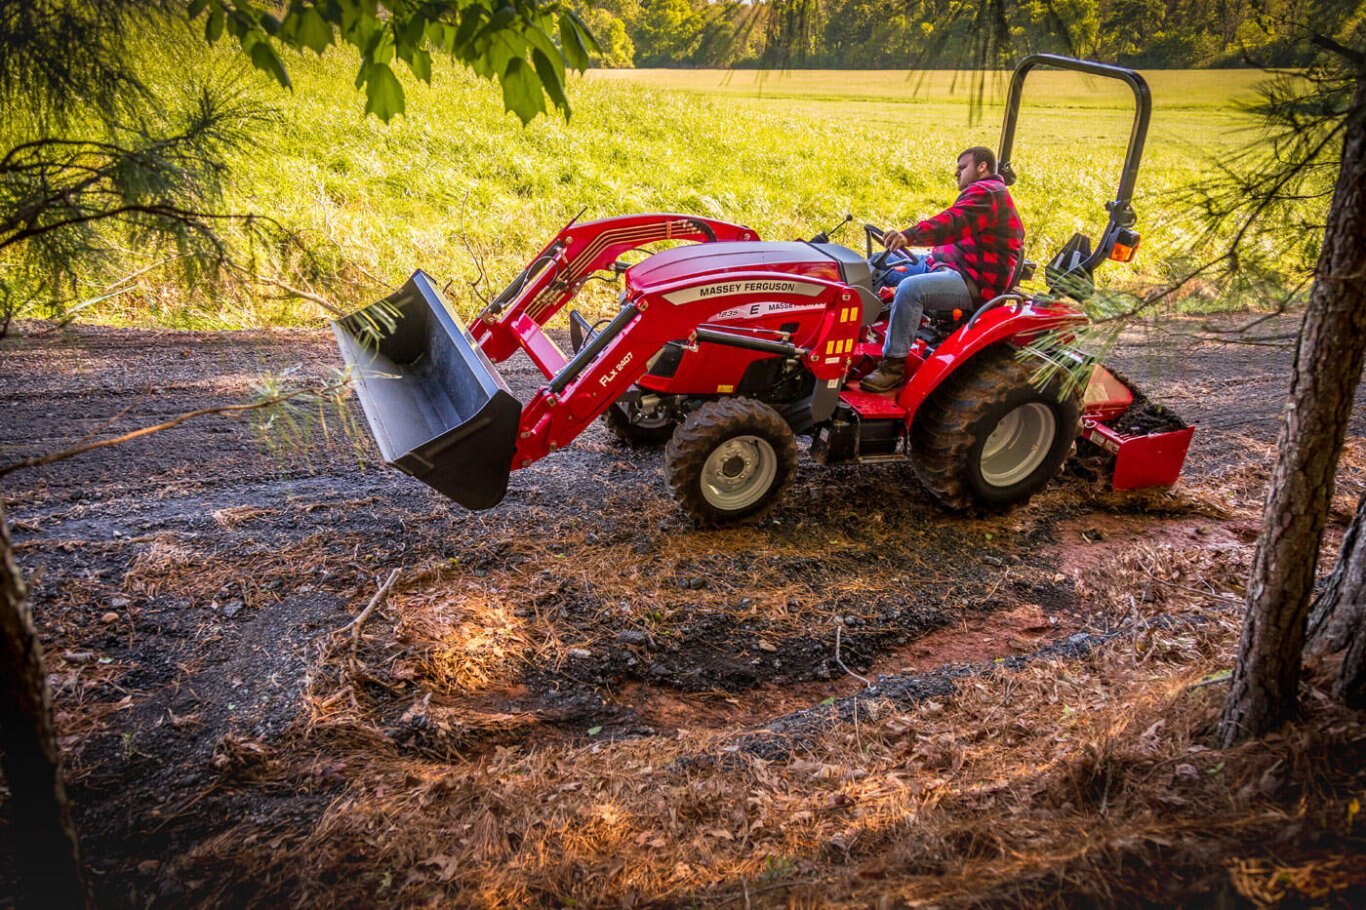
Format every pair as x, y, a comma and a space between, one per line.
903, 265
941, 290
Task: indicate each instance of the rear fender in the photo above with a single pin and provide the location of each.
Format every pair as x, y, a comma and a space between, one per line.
1017, 325
556, 273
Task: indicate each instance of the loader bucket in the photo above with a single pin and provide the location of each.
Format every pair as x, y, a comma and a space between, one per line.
435, 404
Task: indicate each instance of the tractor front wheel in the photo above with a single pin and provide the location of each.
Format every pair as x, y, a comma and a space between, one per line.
628, 424
729, 460
989, 439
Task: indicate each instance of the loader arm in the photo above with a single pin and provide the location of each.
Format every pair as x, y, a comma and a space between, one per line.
620, 354
516, 318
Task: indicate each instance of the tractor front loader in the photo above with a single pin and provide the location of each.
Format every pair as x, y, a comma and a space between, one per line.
729, 348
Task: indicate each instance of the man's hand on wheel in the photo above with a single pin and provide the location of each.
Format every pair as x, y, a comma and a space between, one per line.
894, 240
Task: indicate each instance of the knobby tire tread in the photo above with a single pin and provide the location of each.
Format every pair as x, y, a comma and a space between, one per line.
703, 431
942, 435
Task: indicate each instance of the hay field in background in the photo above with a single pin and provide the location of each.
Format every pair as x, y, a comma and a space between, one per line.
788, 154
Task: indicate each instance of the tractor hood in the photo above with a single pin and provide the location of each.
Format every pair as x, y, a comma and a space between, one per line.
829, 261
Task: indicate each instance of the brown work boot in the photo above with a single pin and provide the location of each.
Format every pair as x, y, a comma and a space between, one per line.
890, 373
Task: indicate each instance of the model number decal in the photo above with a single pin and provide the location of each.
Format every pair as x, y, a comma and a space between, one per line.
763, 309
604, 380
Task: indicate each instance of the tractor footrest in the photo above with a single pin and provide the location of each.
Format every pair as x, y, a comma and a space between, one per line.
873, 406
1151, 460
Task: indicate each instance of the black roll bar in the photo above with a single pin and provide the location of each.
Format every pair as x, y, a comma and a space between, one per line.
1121, 209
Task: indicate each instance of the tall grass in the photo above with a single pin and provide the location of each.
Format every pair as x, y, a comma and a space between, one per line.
456, 187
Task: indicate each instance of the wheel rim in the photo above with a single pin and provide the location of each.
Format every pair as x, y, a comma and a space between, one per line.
1019, 444
652, 421
739, 472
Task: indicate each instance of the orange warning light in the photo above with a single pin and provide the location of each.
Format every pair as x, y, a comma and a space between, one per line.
1124, 252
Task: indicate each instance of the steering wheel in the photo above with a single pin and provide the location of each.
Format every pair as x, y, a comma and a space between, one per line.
881, 264
872, 232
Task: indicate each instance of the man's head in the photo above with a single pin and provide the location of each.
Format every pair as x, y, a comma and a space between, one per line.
974, 164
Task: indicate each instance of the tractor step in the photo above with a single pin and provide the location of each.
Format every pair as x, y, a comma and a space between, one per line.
865, 428
437, 407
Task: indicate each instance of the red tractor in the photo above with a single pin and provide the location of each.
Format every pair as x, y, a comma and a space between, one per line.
729, 348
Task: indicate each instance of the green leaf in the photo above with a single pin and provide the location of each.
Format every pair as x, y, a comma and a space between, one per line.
381, 48
828, 701
522, 91
552, 80
470, 20
411, 35
264, 58
540, 40
502, 19
421, 65
594, 731
383, 91
242, 25
312, 31
445, 37
501, 51
196, 7
571, 39
213, 28
351, 15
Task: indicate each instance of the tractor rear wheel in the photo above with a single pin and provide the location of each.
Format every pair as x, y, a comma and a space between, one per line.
729, 460
988, 439
636, 429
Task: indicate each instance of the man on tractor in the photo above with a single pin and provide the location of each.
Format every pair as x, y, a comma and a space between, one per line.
977, 243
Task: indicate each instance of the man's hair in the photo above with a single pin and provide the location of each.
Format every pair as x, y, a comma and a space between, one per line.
981, 155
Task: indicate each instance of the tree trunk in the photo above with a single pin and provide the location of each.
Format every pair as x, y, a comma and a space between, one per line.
45, 839
1337, 621
1328, 359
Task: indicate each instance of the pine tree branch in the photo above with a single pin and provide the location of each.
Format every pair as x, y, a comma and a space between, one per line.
1355, 57
53, 457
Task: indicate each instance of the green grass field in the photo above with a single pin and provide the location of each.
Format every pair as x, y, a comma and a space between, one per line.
456, 179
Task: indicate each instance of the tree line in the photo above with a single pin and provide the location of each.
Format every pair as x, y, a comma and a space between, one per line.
945, 34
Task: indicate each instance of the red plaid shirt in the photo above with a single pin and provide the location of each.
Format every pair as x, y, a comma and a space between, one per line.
980, 236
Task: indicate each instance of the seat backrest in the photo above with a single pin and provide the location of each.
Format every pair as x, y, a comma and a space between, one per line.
1018, 274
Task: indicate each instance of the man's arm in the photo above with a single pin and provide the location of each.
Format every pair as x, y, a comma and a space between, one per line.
948, 226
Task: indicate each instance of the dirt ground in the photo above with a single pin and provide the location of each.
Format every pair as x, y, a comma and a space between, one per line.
193, 588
